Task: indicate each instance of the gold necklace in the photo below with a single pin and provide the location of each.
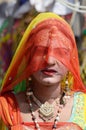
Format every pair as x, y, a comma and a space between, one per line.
46, 110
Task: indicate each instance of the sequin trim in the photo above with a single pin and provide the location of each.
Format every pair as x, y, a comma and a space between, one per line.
79, 110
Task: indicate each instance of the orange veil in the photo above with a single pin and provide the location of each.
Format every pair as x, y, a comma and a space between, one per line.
48, 34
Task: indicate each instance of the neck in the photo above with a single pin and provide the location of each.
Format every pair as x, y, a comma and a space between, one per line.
46, 93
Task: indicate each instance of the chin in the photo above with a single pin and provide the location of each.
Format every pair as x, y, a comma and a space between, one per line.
49, 82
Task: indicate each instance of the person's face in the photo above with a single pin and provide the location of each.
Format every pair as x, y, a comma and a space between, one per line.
52, 74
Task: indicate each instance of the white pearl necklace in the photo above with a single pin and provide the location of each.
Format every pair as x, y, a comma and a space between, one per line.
30, 95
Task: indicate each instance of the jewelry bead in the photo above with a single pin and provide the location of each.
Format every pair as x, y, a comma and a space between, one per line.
54, 126
37, 126
56, 121
59, 111
33, 113
30, 104
59, 104
66, 81
29, 93
58, 114
57, 118
35, 121
33, 118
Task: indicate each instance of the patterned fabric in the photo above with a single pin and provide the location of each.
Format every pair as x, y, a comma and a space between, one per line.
12, 116
79, 110
47, 35
9, 112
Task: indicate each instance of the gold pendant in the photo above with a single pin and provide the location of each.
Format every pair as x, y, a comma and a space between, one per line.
46, 111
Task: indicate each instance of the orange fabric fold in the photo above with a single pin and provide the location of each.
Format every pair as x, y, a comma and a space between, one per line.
9, 111
48, 34
10, 114
60, 125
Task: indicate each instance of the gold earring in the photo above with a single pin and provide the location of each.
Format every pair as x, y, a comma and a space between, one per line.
67, 83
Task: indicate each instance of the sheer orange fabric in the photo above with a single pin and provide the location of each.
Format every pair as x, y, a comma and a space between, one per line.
9, 112
48, 34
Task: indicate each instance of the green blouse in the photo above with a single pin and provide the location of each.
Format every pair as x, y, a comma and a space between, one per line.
79, 110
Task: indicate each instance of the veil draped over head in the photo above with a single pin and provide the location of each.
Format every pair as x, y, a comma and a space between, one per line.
47, 35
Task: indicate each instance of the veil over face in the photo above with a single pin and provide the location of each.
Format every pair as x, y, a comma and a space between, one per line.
47, 35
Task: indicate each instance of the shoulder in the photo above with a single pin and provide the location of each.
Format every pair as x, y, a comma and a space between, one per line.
22, 102
77, 94
8, 107
80, 98
8, 99
79, 109
9, 110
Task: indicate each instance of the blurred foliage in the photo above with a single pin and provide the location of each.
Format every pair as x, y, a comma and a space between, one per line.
15, 35
19, 30
82, 58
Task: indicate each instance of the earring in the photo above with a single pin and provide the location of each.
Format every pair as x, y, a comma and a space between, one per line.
28, 82
67, 83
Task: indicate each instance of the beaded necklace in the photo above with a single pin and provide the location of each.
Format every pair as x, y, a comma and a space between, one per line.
46, 109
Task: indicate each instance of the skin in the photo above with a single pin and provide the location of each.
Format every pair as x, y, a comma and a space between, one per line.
46, 87
48, 80
56, 72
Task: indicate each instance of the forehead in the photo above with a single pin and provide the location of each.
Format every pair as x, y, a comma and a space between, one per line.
52, 37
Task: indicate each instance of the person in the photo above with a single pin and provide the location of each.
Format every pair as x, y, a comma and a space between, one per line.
47, 60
